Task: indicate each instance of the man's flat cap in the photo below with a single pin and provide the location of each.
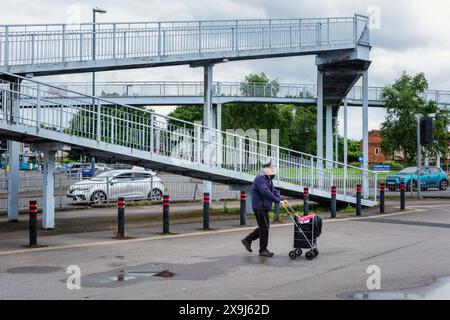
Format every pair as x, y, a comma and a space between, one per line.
267, 165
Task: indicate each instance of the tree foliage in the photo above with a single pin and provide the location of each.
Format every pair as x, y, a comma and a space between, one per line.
404, 103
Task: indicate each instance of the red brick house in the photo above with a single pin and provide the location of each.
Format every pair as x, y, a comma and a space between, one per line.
376, 155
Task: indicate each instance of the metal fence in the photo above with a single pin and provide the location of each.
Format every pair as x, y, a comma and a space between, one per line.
224, 89
53, 43
87, 192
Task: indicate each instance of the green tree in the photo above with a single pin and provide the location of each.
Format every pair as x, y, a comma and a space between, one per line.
303, 130
404, 104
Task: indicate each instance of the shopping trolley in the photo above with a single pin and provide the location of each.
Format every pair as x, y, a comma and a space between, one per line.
306, 231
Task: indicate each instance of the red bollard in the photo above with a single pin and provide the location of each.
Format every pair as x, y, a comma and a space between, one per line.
402, 196
206, 211
333, 202
305, 202
121, 218
358, 200
382, 194
33, 223
243, 205
166, 204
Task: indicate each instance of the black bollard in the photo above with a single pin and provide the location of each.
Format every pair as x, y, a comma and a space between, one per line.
333, 202
166, 222
206, 211
33, 223
358, 200
121, 218
243, 207
382, 194
305, 202
402, 196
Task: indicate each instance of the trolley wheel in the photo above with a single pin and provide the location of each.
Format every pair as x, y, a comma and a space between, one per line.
292, 255
316, 252
309, 255
298, 252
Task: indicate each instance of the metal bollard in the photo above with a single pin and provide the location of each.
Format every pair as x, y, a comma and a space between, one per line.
243, 205
305, 202
206, 211
382, 194
333, 202
121, 218
33, 223
402, 196
358, 200
166, 222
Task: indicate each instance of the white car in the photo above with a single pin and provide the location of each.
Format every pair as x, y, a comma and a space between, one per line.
109, 186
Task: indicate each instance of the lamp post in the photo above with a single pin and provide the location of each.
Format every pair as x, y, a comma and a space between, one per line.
94, 36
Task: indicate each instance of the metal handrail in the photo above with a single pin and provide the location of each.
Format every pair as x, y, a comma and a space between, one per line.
24, 44
440, 96
101, 122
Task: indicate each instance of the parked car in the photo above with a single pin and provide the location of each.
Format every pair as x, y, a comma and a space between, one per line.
430, 177
109, 186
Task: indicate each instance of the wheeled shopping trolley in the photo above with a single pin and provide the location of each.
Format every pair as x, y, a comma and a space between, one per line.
306, 231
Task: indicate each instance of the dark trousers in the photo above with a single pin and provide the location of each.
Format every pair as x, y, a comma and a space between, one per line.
262, 232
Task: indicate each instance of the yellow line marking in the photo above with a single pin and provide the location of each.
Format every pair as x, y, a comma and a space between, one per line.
186, 235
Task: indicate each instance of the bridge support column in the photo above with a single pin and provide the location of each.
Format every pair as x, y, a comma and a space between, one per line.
365, 120
336, 136
48, 216
319, 119
345, 144
207, 121
329, 136
248, 203
319, 138
13, 180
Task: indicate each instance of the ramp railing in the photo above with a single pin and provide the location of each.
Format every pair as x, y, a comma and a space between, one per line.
26, 103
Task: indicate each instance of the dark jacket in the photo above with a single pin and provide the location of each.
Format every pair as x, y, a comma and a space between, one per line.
264, 193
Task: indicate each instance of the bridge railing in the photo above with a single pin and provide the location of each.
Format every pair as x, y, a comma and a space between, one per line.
227, 89
46, 107
56, 43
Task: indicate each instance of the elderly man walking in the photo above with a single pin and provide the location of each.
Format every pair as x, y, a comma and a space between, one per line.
264, 196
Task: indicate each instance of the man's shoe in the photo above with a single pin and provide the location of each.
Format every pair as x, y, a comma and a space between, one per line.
266, 253
247, 244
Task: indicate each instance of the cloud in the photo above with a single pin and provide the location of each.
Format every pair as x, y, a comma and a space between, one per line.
414, 36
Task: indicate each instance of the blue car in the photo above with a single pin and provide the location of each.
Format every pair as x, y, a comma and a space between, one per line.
430, 177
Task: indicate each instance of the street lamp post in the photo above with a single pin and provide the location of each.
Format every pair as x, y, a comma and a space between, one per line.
94, 38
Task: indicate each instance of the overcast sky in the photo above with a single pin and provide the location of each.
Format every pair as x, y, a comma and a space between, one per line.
410, 35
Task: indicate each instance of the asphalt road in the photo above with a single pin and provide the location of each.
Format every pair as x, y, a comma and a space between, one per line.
412, 251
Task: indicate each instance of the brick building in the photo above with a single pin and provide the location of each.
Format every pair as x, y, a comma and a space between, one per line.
376, 155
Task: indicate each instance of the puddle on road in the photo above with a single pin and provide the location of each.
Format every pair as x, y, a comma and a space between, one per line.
198, 271
439, 290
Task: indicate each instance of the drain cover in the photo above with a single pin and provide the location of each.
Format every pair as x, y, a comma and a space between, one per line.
33, 269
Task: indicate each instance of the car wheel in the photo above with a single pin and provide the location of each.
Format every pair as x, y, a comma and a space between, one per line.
155, 195
98, 197
444, 185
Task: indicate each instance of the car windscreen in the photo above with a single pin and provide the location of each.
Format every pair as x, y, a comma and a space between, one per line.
409, 170
106, 175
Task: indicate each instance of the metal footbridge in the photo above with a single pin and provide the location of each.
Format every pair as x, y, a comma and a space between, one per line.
99, 127
158, 93
54, 116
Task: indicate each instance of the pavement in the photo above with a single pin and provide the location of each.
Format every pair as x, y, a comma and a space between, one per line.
411, 250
